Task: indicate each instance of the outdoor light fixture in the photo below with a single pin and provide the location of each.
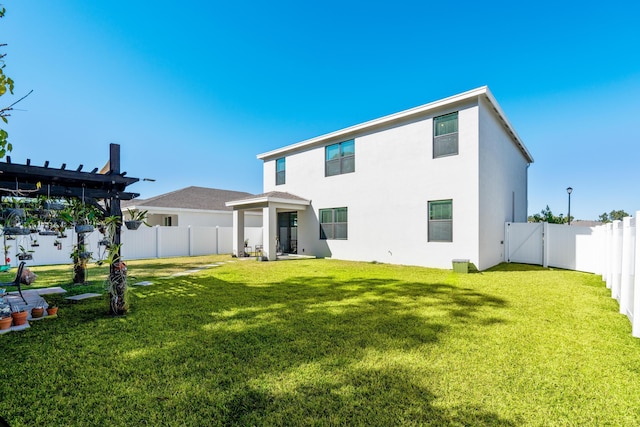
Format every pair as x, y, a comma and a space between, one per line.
569, 190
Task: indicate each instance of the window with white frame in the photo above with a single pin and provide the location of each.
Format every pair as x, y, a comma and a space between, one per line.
333, 224
280, 171
441, 221
445, 135
340, 158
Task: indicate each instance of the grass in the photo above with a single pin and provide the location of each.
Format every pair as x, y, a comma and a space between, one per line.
326, 342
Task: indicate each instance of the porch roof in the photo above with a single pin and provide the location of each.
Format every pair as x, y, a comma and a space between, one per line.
278, 198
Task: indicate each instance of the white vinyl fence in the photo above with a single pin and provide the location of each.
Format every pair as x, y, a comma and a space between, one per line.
608, 250
145, 242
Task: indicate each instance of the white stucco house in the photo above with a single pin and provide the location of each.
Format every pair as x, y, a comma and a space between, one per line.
192, 206
421, 187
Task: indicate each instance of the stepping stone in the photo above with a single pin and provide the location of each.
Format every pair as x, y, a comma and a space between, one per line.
83, 296
185, 273
146, 283
48, 291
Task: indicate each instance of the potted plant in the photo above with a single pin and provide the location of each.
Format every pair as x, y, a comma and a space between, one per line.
136, 219
24, 254
5, 309
15, 220
53, 301
31, 223
5, 322
37, 312
82, 216
19, 316
52, 205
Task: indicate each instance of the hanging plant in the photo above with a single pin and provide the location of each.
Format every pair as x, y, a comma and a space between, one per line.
16, 231
83, 228
136, 219
24, 255
53, 206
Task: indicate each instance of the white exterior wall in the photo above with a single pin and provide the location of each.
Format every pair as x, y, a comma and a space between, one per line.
503, 175
202, 218
387, 196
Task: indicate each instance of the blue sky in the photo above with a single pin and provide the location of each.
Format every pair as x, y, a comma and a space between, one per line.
194, 90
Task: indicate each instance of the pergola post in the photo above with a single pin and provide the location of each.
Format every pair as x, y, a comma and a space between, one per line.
117, 270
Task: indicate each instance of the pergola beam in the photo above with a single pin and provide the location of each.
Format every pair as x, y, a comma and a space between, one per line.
8, 188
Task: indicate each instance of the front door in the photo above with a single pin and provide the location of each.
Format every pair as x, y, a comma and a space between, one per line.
288, 232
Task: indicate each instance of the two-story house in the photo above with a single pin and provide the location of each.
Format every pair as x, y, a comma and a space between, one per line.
420, 187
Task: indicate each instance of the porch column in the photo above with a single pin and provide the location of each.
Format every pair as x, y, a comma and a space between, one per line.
269, 232
238, 233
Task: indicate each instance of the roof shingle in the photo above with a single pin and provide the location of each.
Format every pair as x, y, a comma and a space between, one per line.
192, 198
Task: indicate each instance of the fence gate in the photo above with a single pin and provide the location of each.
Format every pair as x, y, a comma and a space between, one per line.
524, 243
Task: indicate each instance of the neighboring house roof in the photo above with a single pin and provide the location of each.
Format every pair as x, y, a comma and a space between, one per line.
202, 198
401, 117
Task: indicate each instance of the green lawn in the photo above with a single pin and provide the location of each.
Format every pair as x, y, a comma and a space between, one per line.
325, 342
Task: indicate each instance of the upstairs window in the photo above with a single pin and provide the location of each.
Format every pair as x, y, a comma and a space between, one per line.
441, 221
340, 158
280, 171
333, 224
445, 135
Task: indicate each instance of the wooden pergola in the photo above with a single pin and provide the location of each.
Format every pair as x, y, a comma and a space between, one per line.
30, 181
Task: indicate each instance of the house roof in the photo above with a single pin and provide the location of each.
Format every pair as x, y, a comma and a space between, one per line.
403, 116
202, 198
264, 199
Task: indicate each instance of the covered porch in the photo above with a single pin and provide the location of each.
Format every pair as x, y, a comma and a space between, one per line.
279, 227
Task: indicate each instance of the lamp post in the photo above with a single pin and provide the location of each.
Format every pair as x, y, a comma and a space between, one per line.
569, 190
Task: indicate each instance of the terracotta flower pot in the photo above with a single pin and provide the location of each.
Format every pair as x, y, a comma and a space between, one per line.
52, 311
37, 312
5, 323
19, 318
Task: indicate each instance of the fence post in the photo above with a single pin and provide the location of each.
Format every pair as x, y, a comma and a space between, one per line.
626, 277
635, 307
217, 240
616, 260
189, 240
157, 241
506, 242
545, 244
609, 254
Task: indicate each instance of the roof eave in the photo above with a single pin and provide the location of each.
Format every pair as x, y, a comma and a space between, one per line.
266, 200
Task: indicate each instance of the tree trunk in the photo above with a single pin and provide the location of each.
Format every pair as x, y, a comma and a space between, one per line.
79, 271
118, 278
79, 264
